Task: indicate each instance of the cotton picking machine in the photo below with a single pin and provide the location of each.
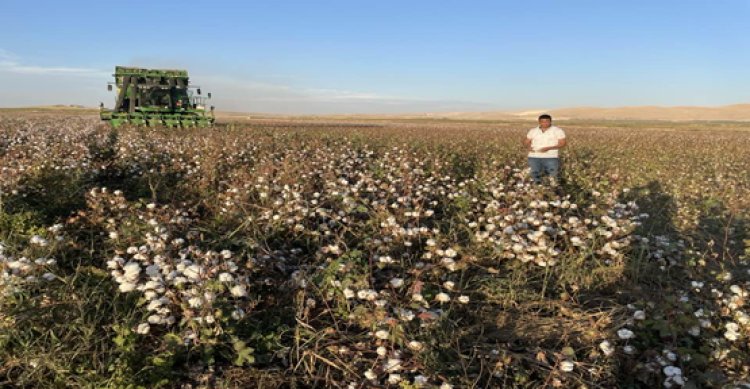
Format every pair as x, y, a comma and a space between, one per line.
156, 97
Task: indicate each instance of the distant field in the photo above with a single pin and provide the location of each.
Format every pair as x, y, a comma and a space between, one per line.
737, 114
355, 252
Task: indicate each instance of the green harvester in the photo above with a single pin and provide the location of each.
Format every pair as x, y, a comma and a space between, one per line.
156, 97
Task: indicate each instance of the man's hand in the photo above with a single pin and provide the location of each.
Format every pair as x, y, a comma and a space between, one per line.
560, 144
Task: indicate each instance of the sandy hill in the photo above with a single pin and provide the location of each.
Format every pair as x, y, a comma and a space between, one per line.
736, 112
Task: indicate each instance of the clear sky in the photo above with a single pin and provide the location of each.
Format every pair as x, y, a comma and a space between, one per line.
385, 56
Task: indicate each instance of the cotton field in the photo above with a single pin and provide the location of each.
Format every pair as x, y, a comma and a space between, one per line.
412, 254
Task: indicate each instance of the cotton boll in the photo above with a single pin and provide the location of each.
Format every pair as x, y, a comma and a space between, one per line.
143, 328
606, 347
382, 334
567, 366
625, 333
238, 291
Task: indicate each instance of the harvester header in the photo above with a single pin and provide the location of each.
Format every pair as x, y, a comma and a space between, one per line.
156, 97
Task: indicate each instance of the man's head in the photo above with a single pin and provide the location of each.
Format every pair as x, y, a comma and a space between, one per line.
545, 121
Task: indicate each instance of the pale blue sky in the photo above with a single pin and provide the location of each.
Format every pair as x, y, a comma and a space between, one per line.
385, 56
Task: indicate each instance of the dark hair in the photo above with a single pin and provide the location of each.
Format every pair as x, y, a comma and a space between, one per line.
544, 116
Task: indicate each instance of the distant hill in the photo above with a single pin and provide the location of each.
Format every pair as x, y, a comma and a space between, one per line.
736, 112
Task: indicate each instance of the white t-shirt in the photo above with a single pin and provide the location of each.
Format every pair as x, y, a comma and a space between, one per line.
546, 138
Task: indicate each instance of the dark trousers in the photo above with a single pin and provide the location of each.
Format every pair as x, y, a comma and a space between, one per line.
541, 167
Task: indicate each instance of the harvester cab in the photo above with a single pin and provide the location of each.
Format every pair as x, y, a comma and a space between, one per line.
156, 97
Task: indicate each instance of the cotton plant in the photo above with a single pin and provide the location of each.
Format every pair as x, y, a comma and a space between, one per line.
158, 259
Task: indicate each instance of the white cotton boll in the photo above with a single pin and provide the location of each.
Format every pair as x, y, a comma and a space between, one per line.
450, 253
694, 331
446, 385
153, 285
382, 351
153, 270
671, 371
367, 294
348, 293
463, 299
406, 314
370, 375
131, 271
606, 347
625, 333
143, 328
192, 272
415, 345
443, 297
38, 241
628, 349
639, 315
381, 334
15, 265
449, 263
49, 276
127, 287
392, 365
397, 282
153, 305
385, 259
226, 254
420, 381
417, 297
195, 302
567, 366
155, 319
394, 378
238, 291
238, 314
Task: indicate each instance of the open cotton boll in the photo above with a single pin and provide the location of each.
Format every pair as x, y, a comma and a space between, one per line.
567, 366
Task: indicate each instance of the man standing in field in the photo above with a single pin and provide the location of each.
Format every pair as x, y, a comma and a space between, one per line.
543, 143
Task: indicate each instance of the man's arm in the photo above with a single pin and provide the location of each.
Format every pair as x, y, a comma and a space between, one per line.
560, 144
527, 143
